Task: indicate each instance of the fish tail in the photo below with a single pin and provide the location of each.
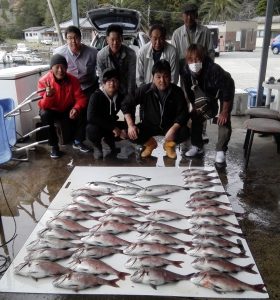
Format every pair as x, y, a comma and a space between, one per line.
249, 269
166, 199
145, 206
122, 275
259, 288
113, 282
186, 188
177, 263
181, 250
235, 226
148, 178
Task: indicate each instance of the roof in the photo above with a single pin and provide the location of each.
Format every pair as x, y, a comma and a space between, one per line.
38, 28
84, 23
261, 20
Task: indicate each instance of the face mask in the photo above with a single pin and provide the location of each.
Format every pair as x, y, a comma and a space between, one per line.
195, 67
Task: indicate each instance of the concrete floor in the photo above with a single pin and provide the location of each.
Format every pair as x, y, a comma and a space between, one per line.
30, 187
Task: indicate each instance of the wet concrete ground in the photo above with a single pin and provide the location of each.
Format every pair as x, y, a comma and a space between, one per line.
30, 187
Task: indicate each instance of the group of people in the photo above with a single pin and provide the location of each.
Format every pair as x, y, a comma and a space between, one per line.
89, 88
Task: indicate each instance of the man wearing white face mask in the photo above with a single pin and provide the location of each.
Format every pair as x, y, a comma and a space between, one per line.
207, 83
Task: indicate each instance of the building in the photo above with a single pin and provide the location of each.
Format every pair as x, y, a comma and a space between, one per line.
35, 34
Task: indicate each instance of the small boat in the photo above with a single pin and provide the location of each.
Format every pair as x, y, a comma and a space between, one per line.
22, 49
33, 58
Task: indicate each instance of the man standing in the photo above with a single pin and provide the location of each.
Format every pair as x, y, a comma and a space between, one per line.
152, 52
120, 57
81, 61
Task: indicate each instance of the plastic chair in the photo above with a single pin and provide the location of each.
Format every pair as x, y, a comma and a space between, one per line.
5, 150
10, 124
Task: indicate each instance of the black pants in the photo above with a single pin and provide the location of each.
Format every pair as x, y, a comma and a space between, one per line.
95, 133
146, 132
77, 126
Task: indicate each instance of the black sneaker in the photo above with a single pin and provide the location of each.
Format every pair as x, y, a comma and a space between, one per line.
81, 147
56, 153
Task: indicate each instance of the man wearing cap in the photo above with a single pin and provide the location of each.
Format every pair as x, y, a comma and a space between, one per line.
62, 99
104, 104
81, 61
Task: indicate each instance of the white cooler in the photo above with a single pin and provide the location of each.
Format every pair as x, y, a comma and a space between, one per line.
240, 102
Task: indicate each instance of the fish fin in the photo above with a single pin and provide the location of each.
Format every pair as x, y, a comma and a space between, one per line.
122, 275
217, 289
181, 250
177, 263
186, 188
145, 206
153, 286
189, 244
249, 269
259, 288
113, 282
148, 178
166, 199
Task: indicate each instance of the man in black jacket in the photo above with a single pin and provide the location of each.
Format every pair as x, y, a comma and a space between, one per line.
163, 111
207, 83
104, 105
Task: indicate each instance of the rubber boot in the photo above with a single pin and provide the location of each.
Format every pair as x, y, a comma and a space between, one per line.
170, 148
149, 146
97, 151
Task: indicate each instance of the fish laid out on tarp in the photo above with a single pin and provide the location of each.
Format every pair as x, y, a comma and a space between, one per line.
160, 189
215, 241
40, 269
161, 238
149, 199
213, 230
157, 276
95, 266
112, 227
125, 211
75, 215
127, 191
66, 224
151, 261
193, 171
200, 184
207, 194
120, 219
164, 215
104, 187
95, 252
48, 254
86, 191
190, 178
161, 227
128, 184
116, 201
44, 243
212, 211
82, 207
199, 202
150, 249
128, 177
223, 283
91, 201
210, 220
220, 265
104, 239
79, 281
57, 233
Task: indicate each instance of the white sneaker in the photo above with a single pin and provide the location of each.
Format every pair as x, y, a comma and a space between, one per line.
194, 151
220, 157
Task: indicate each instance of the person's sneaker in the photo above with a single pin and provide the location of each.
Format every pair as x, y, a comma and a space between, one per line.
56, 153
194, 151
220, 157
81, 147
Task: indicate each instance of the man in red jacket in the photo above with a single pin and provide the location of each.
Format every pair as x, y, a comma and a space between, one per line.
63, 99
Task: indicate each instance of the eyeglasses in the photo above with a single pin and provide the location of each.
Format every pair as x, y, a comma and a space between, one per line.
73, 38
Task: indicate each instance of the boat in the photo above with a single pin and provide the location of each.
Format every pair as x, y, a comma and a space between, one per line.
33, 58
22, 49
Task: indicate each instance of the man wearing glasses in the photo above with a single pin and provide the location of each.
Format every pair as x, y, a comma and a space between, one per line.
81, 60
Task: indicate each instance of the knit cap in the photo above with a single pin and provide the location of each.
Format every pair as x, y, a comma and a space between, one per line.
58, 59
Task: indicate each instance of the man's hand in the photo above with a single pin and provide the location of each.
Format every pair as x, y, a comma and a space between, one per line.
116, 132
49, 90
133, 132
171, 133
73, 114
223, 118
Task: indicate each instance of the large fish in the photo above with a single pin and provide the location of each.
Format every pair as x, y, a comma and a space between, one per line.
207, 194
164, 215
81, 207
211, 220
211, 211
96, 267
86, 191
151, 261
149, 199
120, 219
127, 191
39, 269
127, 184
66, 224
104, 187
57, 233
112, 227
91, 201
189, 178
199, 202
44, 243
156, 276
95, 252
48, 254
220, 265
161, 227
160, 189
213, 230
128, 177
125, 211
204, 251
193, 172
222, 283
75, 215
216, 241
80, 281
150, 249
104, 239
161, 238
116, 201
200, 184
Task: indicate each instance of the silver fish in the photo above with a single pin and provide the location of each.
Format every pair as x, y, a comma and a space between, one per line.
151, 261
200, 184
86, 191
95, 252
125, 211
39, 269
164, 215
201, 251
213, 230
189, 178
127, 191
104, 239
161, 238
57, 233
80, 281
120, 219
75, 215
160, 189
157, 226
116, 201
222, 283
112, 227
195, 202
102, 186
150, 249
127, 184
211, 220
50, 243
156, 276
128, 177
193, 172
220, 265
81, 207
48, 254
96, 267
203, 240
211, 211
67, 224
149, 199
207, 194
91, 201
